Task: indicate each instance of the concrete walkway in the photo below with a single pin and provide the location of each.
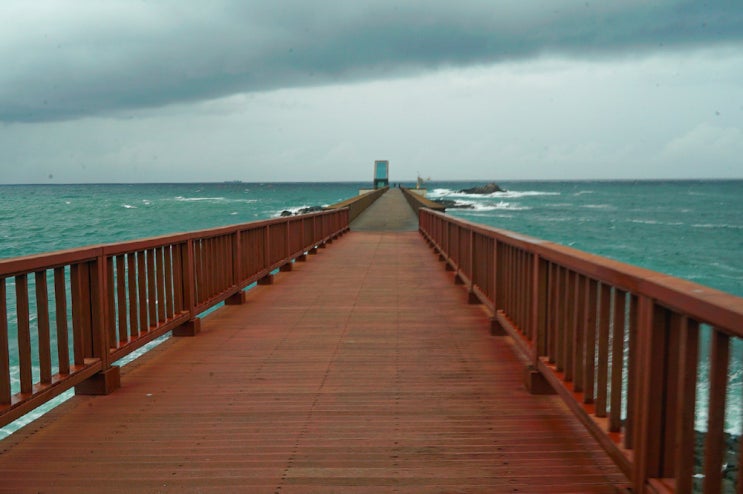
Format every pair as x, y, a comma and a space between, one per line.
389, 213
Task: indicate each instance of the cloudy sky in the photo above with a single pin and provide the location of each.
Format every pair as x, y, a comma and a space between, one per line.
288, 90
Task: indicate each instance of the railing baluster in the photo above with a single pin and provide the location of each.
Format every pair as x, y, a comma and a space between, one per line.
617, 361
602, 374
4, 350
579, 347
42, 321
142, 291
633, 363
589, 325
160, 277
121, 311
131, 272
60, 300
685, 405
179, 272
563, 319
151, 291
552, 345
169, 297
24, 333
714, 444
570, 329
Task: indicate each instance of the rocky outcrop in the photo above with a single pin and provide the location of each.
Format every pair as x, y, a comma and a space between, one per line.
311, 209
483, 189
449, 204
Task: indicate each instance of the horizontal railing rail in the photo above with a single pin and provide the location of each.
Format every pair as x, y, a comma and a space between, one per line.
70, 315
624, 346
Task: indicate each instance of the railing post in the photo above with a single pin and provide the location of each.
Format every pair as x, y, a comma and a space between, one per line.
193, 326
4, 353
495, 327
108, 379
656, 420
288, 265
472, 297
239, 297
268, 278
539, 307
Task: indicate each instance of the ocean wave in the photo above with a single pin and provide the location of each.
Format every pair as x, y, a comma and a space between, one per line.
215, 200
582, 192
128, 206
198, 199
717, 225
656, 222
599, 206
509, 194
500, 206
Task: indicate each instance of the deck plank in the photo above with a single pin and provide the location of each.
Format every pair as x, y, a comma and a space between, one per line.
363, 370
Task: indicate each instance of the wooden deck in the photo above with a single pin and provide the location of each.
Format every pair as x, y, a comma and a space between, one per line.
362, 370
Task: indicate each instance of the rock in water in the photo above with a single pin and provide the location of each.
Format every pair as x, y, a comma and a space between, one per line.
449, 204
483, 189
311, 209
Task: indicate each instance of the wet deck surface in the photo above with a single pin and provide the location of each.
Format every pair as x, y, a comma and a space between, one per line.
363, 370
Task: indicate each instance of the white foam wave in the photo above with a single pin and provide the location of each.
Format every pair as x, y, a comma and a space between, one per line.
215, 200
128, 206
197, 199
656, 222
598, 206
509, 194
502, 205
582, 192
717, 225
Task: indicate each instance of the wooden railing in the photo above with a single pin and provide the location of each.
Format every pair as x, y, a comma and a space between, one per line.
78, 311
418, 201
620, 344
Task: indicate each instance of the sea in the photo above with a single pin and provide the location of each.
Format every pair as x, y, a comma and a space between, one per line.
689, 229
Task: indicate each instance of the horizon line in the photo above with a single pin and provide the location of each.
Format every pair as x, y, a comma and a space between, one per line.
401, 181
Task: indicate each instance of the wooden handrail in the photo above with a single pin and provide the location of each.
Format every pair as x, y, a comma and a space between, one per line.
619, 343
97, 304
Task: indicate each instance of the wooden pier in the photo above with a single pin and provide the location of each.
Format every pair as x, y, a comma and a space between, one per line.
367, 368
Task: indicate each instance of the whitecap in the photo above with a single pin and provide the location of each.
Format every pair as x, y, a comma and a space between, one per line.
508, 194
128, 206
196, 199
716, 225
598, 206
439, 192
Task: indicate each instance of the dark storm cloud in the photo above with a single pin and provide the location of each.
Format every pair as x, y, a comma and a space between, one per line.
65, 60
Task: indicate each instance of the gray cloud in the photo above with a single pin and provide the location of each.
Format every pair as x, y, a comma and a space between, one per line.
70, 60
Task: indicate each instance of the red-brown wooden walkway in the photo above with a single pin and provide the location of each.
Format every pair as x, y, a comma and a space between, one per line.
363, 370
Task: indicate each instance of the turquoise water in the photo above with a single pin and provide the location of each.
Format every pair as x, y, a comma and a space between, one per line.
42, 218
690, 229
